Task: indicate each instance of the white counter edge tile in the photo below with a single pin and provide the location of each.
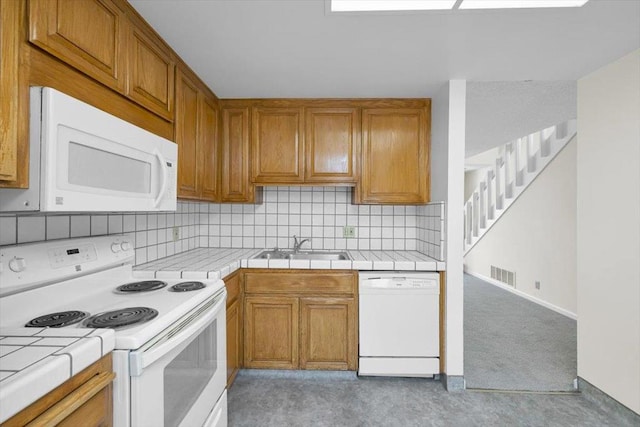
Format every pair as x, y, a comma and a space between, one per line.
216, 263
24, 387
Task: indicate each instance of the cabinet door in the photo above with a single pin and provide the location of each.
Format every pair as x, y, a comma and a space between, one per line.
150, 77
235, 185
328, 336
186, 128
208, 142
332, 137
277, 145
271, 332
89, 35
234, 328
9, 46
395, 165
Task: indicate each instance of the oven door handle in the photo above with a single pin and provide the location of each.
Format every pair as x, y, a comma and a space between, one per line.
172, 337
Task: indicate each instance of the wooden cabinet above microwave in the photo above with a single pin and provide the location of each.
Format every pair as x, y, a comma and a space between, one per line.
109, 42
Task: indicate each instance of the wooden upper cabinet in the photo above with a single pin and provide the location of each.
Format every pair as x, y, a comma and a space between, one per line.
277, 145
331, 145
234, 171
196, 133
186, 135
150, 80
208, 141
9, 95
89, 35
395, 156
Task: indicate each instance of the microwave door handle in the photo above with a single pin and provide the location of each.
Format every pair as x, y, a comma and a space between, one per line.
140, 359
165, 179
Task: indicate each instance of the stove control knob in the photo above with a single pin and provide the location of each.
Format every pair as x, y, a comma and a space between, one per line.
115, 248
126, 246
17, 265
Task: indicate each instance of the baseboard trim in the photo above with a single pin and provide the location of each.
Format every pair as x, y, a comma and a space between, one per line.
524, 295
599, 397
453, 383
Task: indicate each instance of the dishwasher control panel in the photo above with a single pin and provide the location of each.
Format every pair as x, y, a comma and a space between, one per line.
393, 280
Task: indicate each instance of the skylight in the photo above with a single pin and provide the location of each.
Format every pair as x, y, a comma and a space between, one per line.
389, 5
519, 4
418, 5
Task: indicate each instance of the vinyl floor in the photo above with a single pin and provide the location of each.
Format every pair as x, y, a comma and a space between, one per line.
304, 398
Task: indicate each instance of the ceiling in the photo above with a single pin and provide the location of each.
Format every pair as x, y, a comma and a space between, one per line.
296, 48
499, 112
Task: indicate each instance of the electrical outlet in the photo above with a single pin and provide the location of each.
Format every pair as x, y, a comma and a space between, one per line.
348, 231
537, 284
176, 234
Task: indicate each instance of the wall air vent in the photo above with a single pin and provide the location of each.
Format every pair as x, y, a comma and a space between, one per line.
504, 276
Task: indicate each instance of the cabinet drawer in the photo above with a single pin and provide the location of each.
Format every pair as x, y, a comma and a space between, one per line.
85, 399
233, 288
297, 282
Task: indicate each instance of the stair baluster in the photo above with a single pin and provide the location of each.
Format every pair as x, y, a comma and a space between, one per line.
517, 165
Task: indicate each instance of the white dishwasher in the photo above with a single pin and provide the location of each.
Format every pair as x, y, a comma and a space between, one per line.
399, 324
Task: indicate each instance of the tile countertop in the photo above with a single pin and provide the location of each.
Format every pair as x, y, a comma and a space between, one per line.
34, 361
215, 263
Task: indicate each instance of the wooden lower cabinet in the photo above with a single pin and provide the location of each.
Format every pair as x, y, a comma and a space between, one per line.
271, 332
234, 329
300, 319
84, 400
328, 333
235, 337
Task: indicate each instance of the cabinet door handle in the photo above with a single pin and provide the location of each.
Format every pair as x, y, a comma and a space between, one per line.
73, 401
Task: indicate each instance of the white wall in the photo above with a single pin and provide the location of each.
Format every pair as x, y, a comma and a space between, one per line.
447, 184
536, 236
472, 179
608, 229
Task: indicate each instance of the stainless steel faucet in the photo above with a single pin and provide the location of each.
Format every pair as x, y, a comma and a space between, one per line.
298, 243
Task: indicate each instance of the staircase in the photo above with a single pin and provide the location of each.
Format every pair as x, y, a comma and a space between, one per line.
519, 163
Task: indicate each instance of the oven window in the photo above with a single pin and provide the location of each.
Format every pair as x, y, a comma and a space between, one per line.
188, 374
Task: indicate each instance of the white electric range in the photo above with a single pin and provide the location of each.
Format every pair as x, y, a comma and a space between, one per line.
170, 335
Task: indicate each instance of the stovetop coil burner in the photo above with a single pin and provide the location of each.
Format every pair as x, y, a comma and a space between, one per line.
57, 320
142, 286
187, 287
122, 317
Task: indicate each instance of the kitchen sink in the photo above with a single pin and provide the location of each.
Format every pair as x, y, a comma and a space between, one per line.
287, 254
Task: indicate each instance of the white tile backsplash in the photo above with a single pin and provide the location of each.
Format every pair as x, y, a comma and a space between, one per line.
319, 213
153, 232
8, 230
58, 227
31, 229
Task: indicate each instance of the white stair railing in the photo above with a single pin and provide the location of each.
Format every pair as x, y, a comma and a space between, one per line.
518, 164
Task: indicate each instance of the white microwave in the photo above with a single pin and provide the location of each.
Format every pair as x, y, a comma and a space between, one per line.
84, 159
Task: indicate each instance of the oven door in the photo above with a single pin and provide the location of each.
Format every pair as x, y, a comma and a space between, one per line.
177, 378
